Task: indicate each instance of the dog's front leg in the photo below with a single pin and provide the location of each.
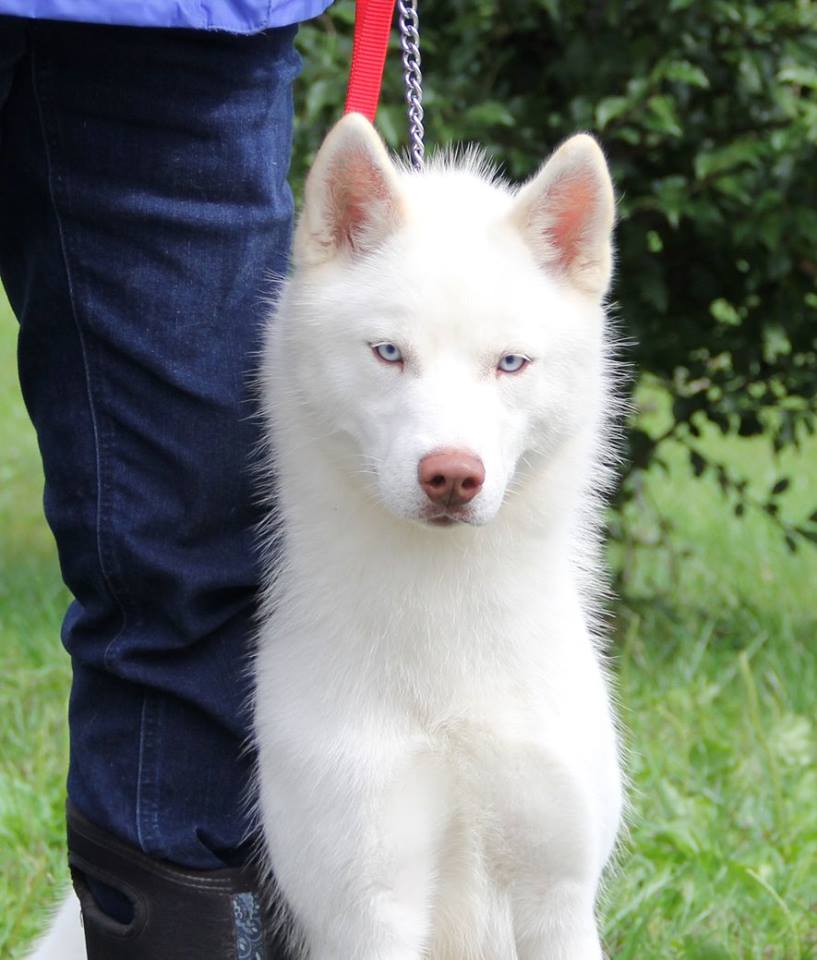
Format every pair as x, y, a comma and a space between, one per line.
353, 835
556, 923
557, 842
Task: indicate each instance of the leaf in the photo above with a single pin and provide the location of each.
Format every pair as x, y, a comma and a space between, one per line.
673, 196
609, 109
489, 113
663, 115
682, 71
552, 7
747, 151
723, 311
804, 75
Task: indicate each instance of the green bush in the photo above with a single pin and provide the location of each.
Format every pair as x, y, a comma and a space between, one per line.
708, 113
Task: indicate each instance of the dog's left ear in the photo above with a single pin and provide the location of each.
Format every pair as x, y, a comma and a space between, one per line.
351, 197
566, 214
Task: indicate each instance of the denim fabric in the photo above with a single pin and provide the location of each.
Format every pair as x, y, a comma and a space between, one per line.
235, 16
144, 204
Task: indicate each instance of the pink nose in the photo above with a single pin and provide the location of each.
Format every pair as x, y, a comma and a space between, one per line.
451, 477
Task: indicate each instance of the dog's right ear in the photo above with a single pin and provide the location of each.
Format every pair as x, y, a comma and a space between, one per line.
566, 214
351, 197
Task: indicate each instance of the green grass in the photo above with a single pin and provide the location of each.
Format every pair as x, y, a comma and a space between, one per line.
717, 674
34, 675
718, 671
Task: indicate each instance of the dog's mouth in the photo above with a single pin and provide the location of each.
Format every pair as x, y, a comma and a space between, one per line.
447, 518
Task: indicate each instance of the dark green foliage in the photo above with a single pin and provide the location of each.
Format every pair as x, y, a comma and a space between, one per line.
708, 113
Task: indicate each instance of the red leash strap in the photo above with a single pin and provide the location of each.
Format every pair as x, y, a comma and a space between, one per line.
373, 19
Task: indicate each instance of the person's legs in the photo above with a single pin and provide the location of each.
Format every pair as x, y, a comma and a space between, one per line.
144, 205
12, 50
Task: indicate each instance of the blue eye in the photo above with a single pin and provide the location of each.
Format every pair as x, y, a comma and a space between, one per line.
388, 352
513, 363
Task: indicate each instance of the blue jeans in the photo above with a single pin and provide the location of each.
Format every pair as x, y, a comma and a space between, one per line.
143, 208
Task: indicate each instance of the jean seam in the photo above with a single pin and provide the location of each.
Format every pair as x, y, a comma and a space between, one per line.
147, 808
101, 487
84, 350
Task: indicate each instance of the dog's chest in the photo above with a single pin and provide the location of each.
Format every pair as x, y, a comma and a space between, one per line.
515, 787
527, 763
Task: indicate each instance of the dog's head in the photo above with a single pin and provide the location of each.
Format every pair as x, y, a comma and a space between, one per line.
445, 331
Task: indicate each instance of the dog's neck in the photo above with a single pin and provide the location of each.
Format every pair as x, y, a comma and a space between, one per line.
387, 592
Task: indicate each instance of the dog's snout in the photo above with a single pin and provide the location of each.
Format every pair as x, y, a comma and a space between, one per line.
451, 477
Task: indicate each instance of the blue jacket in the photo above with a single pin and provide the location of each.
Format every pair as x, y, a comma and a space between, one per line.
235, 16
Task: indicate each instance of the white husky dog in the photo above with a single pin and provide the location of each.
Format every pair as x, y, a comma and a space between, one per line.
438, 762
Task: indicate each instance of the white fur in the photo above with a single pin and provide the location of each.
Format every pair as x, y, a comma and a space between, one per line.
438, 762
65, 939
438, 765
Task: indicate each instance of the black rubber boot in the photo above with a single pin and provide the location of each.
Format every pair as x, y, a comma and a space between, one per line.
178, 914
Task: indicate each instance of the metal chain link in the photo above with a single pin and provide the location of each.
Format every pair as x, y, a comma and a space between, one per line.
413, 79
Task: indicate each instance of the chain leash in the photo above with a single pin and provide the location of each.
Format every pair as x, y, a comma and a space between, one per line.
413, 78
